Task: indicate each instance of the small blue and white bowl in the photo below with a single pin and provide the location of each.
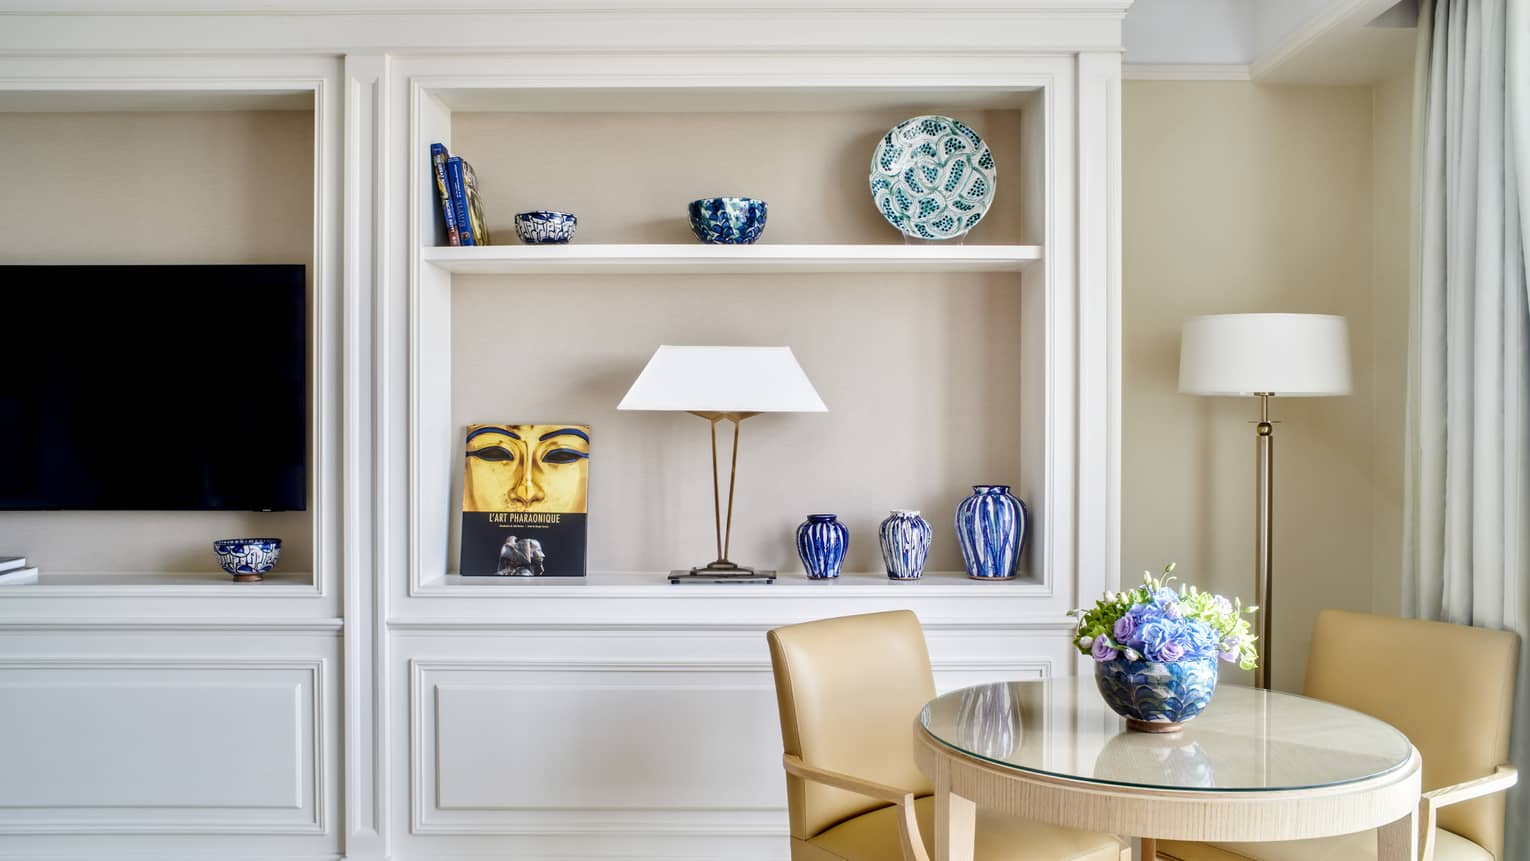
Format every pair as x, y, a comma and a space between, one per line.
545, 227
248, 559
728, 220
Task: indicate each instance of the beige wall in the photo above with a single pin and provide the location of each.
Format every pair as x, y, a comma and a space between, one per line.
1239, 198
217, 187
1392, 157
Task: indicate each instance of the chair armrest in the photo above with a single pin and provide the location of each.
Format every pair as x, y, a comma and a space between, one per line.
1503, 777
910, 843
869, 788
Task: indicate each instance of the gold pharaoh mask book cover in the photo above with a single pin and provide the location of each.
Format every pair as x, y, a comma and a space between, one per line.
525, 500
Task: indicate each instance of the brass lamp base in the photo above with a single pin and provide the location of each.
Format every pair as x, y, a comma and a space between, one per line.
723, 571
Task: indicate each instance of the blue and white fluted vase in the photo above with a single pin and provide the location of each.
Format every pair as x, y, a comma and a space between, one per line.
822, 542
990, 524
905, 538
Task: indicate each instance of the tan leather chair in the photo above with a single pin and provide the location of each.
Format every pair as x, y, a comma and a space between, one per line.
849, 691
1450, 689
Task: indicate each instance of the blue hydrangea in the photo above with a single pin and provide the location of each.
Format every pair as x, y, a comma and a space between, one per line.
1160, 632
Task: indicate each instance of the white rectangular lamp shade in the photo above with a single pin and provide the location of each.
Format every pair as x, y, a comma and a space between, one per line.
723, 380
1294, 355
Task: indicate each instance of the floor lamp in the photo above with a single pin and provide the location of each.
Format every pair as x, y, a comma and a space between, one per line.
1264, 356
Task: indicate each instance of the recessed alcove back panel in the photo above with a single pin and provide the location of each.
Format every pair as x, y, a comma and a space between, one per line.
629, 176
921, 374
190, 186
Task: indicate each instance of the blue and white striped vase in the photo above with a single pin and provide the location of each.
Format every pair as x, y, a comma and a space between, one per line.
821, 542
990, 524
905, 538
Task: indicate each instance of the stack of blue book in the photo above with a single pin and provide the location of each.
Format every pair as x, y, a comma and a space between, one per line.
461, 208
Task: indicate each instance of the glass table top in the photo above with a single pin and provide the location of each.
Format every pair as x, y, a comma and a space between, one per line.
1246, 740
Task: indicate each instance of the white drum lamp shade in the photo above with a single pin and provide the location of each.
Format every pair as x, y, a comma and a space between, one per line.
1264, 355
1291, 355
723, 380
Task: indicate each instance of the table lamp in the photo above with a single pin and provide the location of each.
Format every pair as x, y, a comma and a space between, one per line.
717, 384
1264, 356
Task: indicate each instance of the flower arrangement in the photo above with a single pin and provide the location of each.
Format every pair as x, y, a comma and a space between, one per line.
1154, 622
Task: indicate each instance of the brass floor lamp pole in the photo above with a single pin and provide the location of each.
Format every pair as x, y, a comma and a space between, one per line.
1264, 543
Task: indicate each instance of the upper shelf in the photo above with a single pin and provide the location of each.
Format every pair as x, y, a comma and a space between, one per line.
706, 259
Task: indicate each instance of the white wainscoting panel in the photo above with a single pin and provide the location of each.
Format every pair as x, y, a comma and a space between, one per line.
161, 746
506, 746
660, 752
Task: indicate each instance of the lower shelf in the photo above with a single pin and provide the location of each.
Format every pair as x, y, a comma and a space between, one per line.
656, 583
195, 583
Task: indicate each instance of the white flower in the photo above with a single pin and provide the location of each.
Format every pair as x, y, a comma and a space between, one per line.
1086, 642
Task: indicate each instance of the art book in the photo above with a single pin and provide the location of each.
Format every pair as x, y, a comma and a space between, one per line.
438, 157
525, 500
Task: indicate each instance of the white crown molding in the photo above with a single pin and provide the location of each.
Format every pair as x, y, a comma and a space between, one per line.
1065, 8
1338, 13
1185, 72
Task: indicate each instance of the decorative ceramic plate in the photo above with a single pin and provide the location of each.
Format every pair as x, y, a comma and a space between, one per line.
932, 177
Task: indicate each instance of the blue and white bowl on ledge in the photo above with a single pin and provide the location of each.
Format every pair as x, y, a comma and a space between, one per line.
248, 559
728, 220
1156, 696
545, 227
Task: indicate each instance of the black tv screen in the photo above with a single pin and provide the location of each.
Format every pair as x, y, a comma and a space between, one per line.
159, 388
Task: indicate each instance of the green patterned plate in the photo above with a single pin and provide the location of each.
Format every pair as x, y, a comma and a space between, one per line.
932, 177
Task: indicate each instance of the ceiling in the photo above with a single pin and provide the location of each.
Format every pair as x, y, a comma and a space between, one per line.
1287, 41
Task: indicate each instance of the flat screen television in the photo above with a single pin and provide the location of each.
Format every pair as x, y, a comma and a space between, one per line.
154, 388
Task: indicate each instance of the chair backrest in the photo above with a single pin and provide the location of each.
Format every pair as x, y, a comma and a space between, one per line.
1449, 688
849, 690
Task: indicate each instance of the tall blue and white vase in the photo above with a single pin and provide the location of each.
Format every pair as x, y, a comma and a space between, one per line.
905, 538
822, 542
990, 524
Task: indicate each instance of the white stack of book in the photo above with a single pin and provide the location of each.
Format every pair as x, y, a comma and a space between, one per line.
14, 571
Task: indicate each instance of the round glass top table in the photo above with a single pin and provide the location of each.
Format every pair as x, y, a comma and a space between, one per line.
1254, 766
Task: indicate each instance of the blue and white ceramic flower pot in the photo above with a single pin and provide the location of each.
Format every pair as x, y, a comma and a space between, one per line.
248, 559
545, 227
821, 542
905, 538
728, 220
990, 524
1155, 696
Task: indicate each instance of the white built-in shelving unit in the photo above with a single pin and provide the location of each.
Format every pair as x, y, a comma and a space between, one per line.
384, 707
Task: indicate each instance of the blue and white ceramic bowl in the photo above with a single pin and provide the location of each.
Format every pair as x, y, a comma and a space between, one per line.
1155, 696
248, 559
545, 227
728, 220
